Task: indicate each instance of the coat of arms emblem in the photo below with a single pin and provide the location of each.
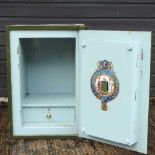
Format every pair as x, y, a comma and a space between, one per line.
104, 83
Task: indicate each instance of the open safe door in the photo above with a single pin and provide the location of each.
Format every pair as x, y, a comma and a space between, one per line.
114, 87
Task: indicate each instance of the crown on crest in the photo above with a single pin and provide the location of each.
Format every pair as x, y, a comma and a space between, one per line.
104, 64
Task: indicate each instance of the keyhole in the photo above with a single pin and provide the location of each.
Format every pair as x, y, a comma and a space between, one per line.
49, 115
104, 86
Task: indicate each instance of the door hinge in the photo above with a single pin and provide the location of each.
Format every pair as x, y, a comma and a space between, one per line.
135, 95
18, 49
134, 127
20, 111
141, 54
141, 73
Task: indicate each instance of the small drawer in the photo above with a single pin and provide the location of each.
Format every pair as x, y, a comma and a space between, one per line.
57, 114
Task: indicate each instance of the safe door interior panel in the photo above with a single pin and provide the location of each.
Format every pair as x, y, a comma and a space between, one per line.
108, 123
113, 67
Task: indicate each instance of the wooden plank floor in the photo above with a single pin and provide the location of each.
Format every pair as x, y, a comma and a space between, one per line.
10, 146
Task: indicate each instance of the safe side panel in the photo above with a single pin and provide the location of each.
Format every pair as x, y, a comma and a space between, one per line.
119, 125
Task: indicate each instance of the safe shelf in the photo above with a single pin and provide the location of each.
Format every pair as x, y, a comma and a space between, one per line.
49, 100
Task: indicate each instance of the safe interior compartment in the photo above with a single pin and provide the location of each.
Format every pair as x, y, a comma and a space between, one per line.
47, 77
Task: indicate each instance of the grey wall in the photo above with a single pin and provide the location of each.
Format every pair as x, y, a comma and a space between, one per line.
97, 14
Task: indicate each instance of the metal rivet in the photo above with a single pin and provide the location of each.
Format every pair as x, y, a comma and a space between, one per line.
83, 130
130, 47
126, 141
83, 45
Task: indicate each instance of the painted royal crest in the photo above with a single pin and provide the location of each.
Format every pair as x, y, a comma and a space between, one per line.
104, 83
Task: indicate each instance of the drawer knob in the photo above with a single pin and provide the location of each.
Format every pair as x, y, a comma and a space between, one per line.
49, 115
